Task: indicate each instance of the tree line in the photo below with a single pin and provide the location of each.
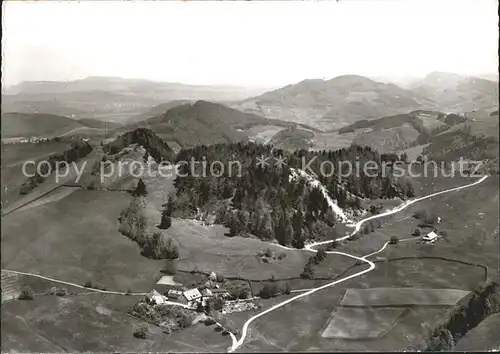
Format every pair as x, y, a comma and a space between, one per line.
264, 200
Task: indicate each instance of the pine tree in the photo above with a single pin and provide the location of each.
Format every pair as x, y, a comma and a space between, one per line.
289, 234
166, 220
170, 206
140, 190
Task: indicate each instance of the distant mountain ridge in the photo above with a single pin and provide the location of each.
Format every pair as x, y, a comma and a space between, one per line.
457, 93
331, 104
109, 98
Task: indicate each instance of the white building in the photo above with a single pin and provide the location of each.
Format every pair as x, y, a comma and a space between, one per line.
192, 295
155, 297
430, 237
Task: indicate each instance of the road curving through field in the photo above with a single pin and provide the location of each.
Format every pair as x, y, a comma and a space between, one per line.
311, 248
357, 226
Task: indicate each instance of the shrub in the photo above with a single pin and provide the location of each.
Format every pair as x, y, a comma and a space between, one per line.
281, 256
26, 294
218, 329
238, 289
61, 292
141, 332
225, 333
217, 303
268, 253
285, 288
354, 237
268, 290
209, 321
308, 272
431, 220
184, 321
333, 245
421, 214
321, 254
416, 232
88, 284
394, 240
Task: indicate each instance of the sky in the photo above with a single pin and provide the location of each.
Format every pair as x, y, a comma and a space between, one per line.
246, 43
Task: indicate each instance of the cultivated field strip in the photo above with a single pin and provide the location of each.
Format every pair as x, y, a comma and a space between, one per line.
10, 286
379, 297
361, 323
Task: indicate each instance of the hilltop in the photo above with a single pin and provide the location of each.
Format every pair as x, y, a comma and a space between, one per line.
334, 103
157, 110
457, 93
208, 123
17, 124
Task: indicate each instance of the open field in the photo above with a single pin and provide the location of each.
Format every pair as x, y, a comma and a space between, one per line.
54, 196
299, 326
206, 248
332, 140
354, 323
430, 120
13, 157
389, 139
76, 239
402, 297
50, 183
11, 288
43, 286
309, 315
95, 323
262, 133
469, 218
414, 152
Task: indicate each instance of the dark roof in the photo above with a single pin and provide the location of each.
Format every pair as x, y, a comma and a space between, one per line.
218, 290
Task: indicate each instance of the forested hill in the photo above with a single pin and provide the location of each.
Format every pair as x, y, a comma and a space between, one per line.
154, 145
265, 201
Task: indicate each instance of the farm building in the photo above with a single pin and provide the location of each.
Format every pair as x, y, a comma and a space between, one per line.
167, 283
207, 293
155, 297
174, 294
430, 237
223, 293
192, 295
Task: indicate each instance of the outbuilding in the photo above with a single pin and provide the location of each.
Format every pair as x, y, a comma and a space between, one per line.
430, 237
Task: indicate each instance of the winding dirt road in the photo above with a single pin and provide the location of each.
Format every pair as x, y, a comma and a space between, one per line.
311, 248
357, 226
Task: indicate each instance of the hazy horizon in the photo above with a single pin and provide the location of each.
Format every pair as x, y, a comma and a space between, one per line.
253, 44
